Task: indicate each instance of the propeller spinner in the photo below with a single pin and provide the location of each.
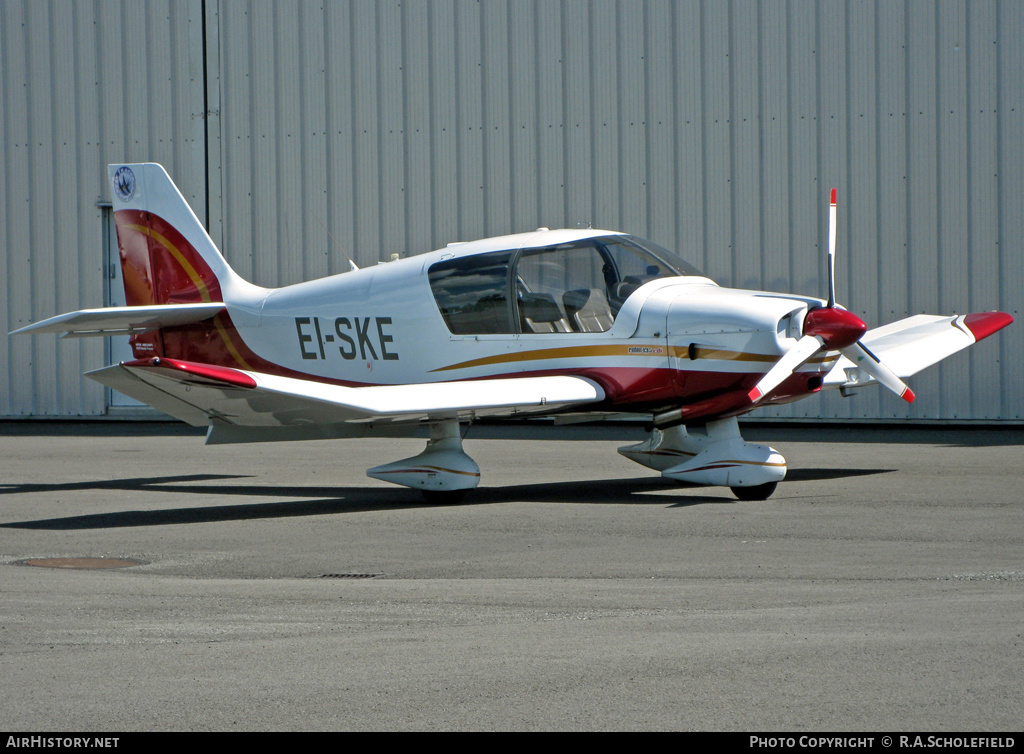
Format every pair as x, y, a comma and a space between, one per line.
831, 328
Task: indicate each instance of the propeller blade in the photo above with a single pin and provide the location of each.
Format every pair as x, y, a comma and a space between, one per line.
832, 251
804, 349
864, 359
832, 329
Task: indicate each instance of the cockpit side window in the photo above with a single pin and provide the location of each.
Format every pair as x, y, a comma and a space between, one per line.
564, 289
473, 293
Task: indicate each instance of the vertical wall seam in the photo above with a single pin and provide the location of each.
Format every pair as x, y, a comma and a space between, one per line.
206, 114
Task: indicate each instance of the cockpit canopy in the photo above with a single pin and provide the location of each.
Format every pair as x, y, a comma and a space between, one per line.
569, 287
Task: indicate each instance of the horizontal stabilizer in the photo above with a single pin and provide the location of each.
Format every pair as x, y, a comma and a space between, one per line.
120, 320
201, 393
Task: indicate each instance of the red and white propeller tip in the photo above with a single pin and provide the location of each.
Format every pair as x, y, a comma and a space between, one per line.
864, 359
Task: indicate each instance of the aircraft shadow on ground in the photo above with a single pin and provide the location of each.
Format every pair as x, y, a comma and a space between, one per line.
320, 501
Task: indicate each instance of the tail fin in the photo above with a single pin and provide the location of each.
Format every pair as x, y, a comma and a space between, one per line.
167, 257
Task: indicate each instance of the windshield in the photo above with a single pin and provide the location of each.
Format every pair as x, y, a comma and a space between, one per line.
661, 257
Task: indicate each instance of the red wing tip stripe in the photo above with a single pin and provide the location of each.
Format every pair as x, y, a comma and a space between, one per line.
984, 324
832, 201
908, 395
754, 395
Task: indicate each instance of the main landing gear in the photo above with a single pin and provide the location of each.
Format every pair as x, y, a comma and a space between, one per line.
443, 471
718, 456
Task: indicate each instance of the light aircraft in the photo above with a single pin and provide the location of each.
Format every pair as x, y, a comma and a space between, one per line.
572, 323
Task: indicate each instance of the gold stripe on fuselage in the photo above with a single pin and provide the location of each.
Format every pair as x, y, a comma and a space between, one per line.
635, 349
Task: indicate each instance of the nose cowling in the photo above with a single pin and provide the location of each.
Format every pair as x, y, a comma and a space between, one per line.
836, 328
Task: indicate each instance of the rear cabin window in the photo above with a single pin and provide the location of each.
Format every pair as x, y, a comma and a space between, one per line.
574, 287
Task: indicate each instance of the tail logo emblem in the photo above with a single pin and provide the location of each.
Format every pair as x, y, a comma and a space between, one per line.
124, 183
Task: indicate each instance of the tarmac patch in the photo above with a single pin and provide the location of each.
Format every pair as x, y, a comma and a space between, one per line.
996, 576
81, 563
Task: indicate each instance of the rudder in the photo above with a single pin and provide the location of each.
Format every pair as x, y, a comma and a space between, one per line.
167, 257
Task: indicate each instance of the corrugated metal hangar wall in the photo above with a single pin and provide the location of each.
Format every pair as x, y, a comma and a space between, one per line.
714, 128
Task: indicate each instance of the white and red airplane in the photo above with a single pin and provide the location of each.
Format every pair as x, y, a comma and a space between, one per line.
564, 322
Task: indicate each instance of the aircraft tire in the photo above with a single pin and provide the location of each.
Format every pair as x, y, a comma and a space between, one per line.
757, 492
444, 497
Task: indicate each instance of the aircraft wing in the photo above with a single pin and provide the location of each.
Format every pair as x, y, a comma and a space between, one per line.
118, 320
201, 394
917, 342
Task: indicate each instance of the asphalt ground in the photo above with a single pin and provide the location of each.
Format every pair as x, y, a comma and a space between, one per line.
880, 589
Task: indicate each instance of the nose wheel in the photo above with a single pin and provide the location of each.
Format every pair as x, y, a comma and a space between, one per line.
716, 456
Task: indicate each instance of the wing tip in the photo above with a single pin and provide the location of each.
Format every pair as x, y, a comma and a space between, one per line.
986, 323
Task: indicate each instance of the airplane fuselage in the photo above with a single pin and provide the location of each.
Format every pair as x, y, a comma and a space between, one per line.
673, 340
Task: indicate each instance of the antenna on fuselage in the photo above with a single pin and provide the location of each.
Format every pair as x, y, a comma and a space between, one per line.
351, 262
